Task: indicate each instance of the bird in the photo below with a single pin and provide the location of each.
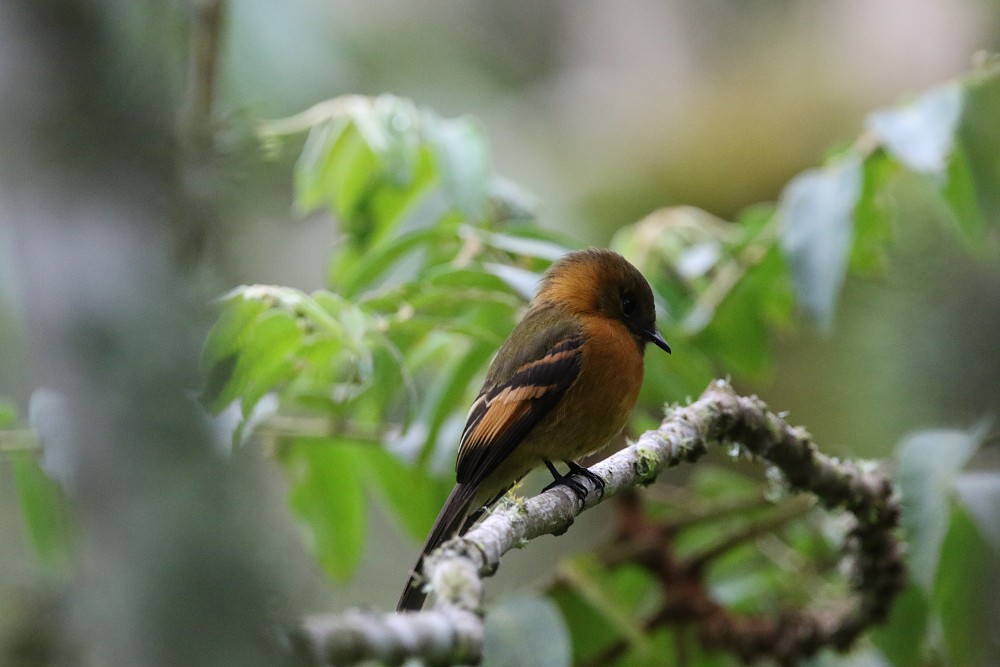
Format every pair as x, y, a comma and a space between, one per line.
560, 387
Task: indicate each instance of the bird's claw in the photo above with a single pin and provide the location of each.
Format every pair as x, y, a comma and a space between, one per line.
569, 480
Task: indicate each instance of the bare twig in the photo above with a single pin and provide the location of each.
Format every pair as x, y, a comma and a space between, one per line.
206, 40
753, 530
196, 157
722, 510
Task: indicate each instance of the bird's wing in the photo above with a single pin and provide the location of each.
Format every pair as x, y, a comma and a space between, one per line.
508, 408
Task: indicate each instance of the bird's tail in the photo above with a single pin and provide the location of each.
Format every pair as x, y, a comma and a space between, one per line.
448, 522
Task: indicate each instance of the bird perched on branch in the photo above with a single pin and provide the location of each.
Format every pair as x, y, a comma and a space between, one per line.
561, 386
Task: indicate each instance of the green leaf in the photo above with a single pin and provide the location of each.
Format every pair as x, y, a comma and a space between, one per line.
348, 325
920, 135
374, 159
328, 496
312, 177
512, 204
450, 404
600, 607
901, 639
817, 212
860, 656
525, 246
8, 414
524, 282
525, 630
401, 206
613, 603
674, 377
739, 333
444, 403
681, 250
265, 360
929, 462
979, 493
979, 137
352, 168
385, 257
323, 370
472, 280
967, 593
388, 124
873, 214
413, 496
462, 155
959, 193
222, 345
361, 150
713, 482
448, 310
238, 313
45, 511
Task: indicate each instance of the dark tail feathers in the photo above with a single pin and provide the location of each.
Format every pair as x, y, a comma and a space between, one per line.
448, 522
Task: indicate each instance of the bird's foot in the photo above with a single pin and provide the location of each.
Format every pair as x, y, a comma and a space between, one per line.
577, 469
570, 480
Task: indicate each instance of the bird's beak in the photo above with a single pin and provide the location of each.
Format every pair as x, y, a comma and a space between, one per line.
656, 338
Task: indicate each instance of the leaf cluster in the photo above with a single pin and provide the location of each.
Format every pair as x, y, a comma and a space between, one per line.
437, 255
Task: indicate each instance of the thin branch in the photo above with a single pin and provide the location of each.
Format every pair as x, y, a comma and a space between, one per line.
668, 613
753, 530
629, 547
454, 571
716, 512
440, 637
305, 120
206, 40
196, 159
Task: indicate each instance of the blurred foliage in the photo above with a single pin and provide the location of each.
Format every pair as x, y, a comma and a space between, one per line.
954, 580
45, 512
363, 386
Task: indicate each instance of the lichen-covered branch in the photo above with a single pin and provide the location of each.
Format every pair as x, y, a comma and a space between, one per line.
447, 636
719, 416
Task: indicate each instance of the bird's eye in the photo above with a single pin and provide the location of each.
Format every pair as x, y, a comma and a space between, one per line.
627, 304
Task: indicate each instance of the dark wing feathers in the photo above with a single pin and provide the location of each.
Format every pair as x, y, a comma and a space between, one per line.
504, 413
525, 382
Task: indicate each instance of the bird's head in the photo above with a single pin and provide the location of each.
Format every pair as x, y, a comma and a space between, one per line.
602, 282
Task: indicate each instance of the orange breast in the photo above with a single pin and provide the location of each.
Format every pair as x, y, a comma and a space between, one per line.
599, 403
593, 411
